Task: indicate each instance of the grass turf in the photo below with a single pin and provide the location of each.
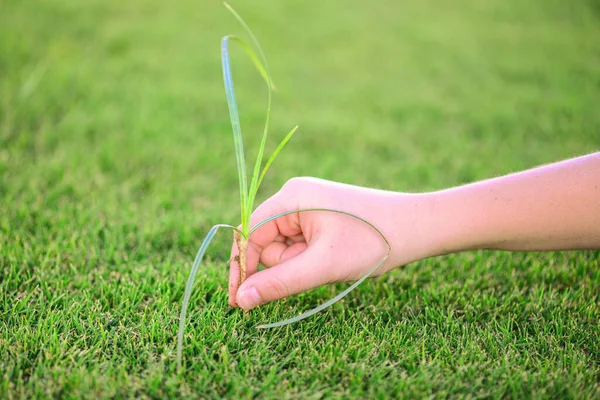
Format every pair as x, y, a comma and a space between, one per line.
116, 157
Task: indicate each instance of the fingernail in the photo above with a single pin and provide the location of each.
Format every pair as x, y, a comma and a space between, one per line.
248, 298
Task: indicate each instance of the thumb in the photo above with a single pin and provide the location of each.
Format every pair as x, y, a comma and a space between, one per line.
302, 272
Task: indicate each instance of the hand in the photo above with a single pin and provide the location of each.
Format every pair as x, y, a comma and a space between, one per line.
305, 250
546, 208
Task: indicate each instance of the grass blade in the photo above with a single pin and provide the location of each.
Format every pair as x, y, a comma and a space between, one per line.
257, 63
254, 40
237, 131
324, 305
345, 292
277, 150
190, 284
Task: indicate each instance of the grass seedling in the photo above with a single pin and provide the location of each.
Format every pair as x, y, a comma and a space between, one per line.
248, 194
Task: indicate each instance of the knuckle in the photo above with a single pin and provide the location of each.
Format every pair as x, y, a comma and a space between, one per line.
295, 183
297, 188
278, 288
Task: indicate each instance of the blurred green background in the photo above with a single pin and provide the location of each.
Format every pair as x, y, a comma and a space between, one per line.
116, 157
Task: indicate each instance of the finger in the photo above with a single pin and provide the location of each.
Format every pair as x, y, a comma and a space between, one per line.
273, 231
276, 230
303, 272
280, 238
276, 252
268, 233
295, 239
252, 258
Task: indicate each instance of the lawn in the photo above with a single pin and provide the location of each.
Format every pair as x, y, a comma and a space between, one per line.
116, 158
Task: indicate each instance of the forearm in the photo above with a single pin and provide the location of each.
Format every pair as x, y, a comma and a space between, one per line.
553, 207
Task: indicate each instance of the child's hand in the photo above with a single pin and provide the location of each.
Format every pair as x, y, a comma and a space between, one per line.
553, 207
309, 249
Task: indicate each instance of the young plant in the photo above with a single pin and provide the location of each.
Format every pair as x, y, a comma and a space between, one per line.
248, 194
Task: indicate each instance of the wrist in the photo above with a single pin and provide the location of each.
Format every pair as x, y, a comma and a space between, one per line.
413, 230
453, 222
446, 222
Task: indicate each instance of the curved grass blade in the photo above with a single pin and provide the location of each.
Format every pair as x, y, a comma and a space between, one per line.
324, 305
235, 124
257, 63
190, 284
277, 150
345, 292
254, 40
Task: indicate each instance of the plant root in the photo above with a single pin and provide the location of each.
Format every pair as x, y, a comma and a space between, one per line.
242, 245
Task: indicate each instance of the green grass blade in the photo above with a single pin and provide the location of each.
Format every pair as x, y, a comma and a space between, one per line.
324, 305
254, 40
257, 63
263, 68
190, 284
237, 131
277, 150
345, 292
254, 184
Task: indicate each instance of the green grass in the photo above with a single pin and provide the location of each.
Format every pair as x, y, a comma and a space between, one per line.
116, 158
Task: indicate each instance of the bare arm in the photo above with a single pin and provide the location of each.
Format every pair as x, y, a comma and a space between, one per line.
553, 207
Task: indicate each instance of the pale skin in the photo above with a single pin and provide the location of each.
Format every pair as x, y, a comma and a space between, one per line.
552, 207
